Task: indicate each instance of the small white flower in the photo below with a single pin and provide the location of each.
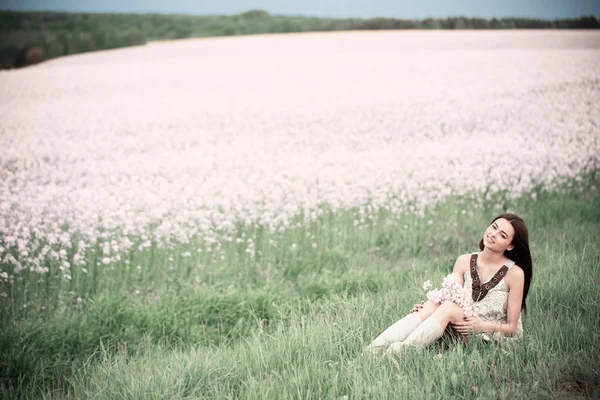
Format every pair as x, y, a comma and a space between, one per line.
3, 294
85, 271
79, 300
294, 246
4, 275
106, 260
137, 291
67, 277
426, 285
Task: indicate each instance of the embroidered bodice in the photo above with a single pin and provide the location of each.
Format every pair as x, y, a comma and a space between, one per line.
492, 296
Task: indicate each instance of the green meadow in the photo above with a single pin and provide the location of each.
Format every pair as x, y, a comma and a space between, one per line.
292, 320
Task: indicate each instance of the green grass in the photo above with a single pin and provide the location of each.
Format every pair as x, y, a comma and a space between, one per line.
292, 323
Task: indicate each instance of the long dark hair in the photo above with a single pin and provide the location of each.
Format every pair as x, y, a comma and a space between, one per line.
520, 253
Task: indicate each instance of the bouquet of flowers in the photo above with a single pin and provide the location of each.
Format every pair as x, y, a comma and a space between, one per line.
452, 291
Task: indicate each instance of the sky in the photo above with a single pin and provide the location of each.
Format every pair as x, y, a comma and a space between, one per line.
409, 9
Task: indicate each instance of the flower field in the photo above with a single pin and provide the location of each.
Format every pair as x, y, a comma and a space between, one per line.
178, 193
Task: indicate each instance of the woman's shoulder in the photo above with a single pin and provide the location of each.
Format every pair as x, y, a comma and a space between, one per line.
462, 263
515, 275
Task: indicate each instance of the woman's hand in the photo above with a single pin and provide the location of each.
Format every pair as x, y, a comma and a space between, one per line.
417, 307
469, 325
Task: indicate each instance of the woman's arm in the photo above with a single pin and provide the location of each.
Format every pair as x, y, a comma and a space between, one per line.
515, 282
461, 266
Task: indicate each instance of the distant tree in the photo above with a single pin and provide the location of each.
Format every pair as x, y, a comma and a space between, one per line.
285, 26
507, 24
28, 56
431, 23
587, 22
63, 38
479, 23
255, 14
462, 23
133, 36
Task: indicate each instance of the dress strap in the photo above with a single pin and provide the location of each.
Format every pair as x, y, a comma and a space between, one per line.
479, 290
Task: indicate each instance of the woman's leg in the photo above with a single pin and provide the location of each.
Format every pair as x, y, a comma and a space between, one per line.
432, 327
448, 312
402, 328
429, 308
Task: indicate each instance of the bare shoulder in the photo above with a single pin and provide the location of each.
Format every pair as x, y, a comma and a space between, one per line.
515, 276
462, 264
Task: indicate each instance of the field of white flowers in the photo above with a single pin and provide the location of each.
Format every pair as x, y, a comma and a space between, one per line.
172, 141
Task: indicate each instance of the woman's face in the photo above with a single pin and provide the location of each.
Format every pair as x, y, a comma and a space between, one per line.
499, 235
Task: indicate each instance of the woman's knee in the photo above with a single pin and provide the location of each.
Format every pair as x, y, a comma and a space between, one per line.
429, 308
450, 311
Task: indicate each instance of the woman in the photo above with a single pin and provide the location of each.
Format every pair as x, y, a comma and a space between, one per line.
498, 278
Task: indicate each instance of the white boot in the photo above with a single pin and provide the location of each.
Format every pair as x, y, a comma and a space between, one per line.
428, 332
395, 333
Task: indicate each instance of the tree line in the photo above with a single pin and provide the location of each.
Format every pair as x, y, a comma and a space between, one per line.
29, 37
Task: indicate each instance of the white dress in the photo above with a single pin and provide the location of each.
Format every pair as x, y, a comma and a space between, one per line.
493, 306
